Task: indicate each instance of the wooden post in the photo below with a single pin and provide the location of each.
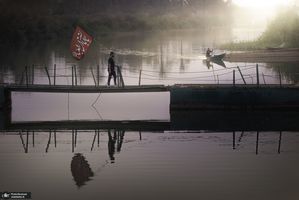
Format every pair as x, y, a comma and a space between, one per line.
76, 133
257, 143
234, 140
139, 77
264, 78
257, 75
49, 141
117, 77
75, 73
72, 75
217, 79
33, 140
94, 139
94, 79
140, 136
98, 75
55, 138
54, 74
22, 78
48, 75
234, 78
22, 140
279, 142
32, 71
26, 71
122, 83
73, 137
27, 135
241, 75
279, 72
98, 138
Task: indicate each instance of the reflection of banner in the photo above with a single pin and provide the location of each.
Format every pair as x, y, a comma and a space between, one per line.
80, 43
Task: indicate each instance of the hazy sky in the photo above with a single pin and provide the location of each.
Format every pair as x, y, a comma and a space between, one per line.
262, 3
262, 11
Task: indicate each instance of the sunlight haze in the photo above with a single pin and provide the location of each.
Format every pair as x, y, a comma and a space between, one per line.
262, 3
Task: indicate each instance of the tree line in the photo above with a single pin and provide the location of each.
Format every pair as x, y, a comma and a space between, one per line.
33, 20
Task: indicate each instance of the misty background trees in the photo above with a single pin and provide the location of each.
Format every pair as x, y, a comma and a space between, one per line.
34, 20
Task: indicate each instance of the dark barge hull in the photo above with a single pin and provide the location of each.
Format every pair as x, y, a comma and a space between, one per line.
234, 98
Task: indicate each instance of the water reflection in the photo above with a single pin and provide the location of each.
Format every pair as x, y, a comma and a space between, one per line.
155, 52
208, 159
288, 71
111, 145
115, 139
180, 51
81, 170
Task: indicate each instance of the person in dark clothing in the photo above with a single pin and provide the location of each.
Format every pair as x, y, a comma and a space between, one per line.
111, 68
208, 53
111, 146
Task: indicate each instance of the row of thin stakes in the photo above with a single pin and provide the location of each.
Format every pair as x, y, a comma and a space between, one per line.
257, 76
29, 75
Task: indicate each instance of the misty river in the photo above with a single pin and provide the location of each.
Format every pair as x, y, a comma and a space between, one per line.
214, 156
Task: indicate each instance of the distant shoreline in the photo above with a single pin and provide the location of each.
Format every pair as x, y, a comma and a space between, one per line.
269, 55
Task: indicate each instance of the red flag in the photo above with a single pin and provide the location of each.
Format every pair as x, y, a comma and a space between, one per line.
80, 43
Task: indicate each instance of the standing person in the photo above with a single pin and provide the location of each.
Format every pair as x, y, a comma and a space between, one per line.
111, 68
208, 53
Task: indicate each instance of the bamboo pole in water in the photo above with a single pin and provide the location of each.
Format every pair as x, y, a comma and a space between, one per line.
32, 71
139, 78
22, 140
72, 75
49, 141
98, 75
241, 75
33, 142
48, 75
280, 84
94, 139
98, 138
76, 133
54, 74
26, 71
279, 142
75, 73
27, 138
94, 79
55, 139
234, 78
73, 141
234, 140
257, 142
22, 78
264, 79
257, 76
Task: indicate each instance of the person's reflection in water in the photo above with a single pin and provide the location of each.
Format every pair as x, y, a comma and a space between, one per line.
120, 138
81, 170
111, 145
207, 62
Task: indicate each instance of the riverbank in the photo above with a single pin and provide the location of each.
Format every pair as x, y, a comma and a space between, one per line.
270, 55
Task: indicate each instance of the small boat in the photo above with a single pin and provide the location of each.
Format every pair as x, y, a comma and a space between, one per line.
217, 57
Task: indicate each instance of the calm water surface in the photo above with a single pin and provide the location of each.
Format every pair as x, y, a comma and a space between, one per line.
168, 165
147, 165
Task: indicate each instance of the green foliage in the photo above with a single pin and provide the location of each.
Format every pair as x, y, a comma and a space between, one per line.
283, 31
